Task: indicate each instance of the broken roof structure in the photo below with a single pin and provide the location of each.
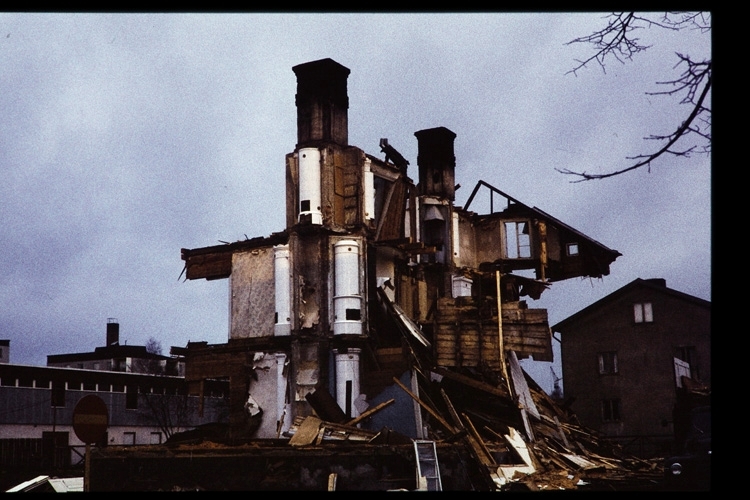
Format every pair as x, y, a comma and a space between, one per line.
383, 313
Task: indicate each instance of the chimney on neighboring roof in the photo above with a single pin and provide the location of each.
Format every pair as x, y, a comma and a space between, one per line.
658, 282
4, 351
322, 102
113, 332
436, 162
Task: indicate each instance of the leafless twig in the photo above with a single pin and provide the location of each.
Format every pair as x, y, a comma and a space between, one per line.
617, 40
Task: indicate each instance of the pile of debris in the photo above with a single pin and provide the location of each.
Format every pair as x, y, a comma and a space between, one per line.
517, 435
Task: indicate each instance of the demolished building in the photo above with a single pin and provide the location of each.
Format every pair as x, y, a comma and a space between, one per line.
385, 314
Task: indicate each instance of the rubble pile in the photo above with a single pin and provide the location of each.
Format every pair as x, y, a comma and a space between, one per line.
517, 435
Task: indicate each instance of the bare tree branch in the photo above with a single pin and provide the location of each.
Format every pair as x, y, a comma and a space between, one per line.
617, 41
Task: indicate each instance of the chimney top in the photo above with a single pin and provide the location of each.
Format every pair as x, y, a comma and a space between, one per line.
320, 67
322, 102
437, 162
113, 332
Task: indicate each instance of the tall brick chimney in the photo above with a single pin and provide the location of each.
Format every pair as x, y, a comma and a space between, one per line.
437, 162
113, 332
322, 103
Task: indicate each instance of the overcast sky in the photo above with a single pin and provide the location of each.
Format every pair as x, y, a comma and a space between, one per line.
126, 137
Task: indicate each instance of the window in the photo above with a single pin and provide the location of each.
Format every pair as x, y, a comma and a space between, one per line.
572, 249
517, 240
610, 410
58, 393
608, 363
643, 312
131, 398
128, 438
156, 438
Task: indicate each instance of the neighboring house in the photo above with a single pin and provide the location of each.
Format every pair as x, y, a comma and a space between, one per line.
628, 357
121, 358
371, 268
37, 404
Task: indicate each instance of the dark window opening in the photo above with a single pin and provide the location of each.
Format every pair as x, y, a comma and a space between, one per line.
58, 393
304, 206
353, 315
131, 398
608, 363
25, 382
611, 410
348, 403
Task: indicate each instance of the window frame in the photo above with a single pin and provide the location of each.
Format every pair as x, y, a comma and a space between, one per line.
643, 312
608, 363
514, 239
611, 410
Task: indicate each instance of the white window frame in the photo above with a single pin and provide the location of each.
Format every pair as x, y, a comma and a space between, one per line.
517, 243
643, 312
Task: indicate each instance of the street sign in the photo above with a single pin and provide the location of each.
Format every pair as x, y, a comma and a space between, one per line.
90, 419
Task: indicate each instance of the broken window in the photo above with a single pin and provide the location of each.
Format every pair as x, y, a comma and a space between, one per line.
517, 240
608, 363
643, 312
610, 410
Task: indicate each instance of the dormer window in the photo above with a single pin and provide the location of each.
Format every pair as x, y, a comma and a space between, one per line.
517, 240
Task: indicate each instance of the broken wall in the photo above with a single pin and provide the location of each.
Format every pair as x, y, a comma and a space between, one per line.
252, 294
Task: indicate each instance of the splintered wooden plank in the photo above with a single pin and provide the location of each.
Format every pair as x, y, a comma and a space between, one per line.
424, 405
209, 266
307, 432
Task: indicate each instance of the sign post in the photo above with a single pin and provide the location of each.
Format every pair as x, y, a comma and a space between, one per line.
90, 421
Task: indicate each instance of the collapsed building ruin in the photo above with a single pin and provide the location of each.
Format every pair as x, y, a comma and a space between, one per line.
382, 309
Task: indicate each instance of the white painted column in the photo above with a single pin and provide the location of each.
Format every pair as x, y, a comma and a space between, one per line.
283, 409
283, 290
347, 379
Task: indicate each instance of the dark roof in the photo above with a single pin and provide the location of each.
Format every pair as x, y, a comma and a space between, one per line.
82, 374
107, 352
657, 284
543, 215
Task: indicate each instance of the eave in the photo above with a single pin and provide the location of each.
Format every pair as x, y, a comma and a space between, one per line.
215, 262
